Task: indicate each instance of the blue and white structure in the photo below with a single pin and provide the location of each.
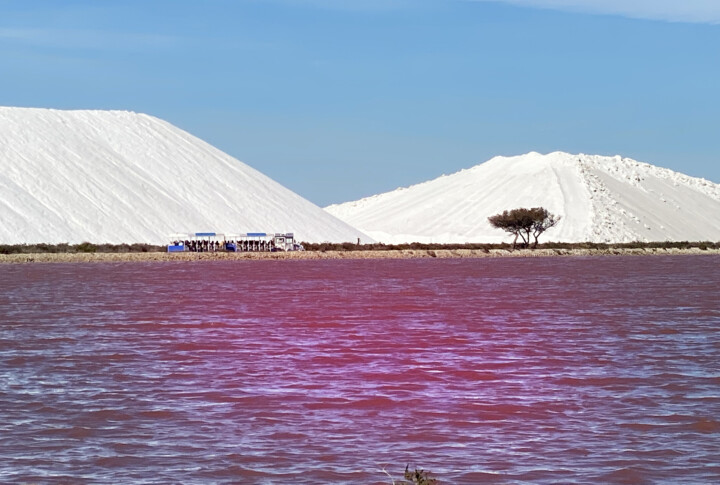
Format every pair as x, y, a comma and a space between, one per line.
250, 241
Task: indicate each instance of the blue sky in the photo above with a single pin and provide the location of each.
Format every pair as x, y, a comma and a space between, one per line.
341, 99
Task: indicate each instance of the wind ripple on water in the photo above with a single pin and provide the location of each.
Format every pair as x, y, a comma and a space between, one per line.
522, 371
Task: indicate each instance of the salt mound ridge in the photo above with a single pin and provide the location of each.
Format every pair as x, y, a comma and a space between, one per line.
122, 177
600, 199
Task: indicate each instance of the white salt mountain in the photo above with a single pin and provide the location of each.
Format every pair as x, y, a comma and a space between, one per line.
122, 177
600, 199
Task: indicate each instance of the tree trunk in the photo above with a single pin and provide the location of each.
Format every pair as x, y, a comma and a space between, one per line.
526, 238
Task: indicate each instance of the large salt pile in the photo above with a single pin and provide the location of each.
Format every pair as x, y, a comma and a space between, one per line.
600, 199
122, 177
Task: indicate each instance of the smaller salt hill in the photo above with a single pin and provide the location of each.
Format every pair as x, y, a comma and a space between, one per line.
600, 199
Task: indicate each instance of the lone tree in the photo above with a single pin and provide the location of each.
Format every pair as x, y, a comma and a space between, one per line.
524, 223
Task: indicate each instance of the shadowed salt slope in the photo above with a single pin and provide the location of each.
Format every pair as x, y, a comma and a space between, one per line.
600, 199
123, 177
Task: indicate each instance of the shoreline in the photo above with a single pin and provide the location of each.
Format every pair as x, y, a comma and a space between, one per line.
322, 255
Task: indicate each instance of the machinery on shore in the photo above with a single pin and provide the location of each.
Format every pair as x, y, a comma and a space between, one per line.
251, 241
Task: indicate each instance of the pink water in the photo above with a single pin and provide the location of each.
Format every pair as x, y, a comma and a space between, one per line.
571, 370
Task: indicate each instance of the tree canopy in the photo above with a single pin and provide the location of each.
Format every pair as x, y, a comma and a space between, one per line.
525, 223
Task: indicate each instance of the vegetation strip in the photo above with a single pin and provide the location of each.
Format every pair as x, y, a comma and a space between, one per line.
407, 253
90, 248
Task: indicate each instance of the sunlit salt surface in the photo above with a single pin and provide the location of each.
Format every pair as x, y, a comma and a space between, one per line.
571, 370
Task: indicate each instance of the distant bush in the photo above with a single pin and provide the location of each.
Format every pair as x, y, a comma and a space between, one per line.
86, 247
145, 248
10, 249
113, 248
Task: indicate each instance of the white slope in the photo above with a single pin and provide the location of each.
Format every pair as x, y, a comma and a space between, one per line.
600, 199
122, 177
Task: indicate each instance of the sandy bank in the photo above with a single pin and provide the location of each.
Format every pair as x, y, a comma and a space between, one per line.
393, 254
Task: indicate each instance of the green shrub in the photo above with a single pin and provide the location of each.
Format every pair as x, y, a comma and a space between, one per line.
86, 247
10, 249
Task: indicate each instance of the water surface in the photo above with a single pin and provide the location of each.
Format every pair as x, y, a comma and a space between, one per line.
572, 370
